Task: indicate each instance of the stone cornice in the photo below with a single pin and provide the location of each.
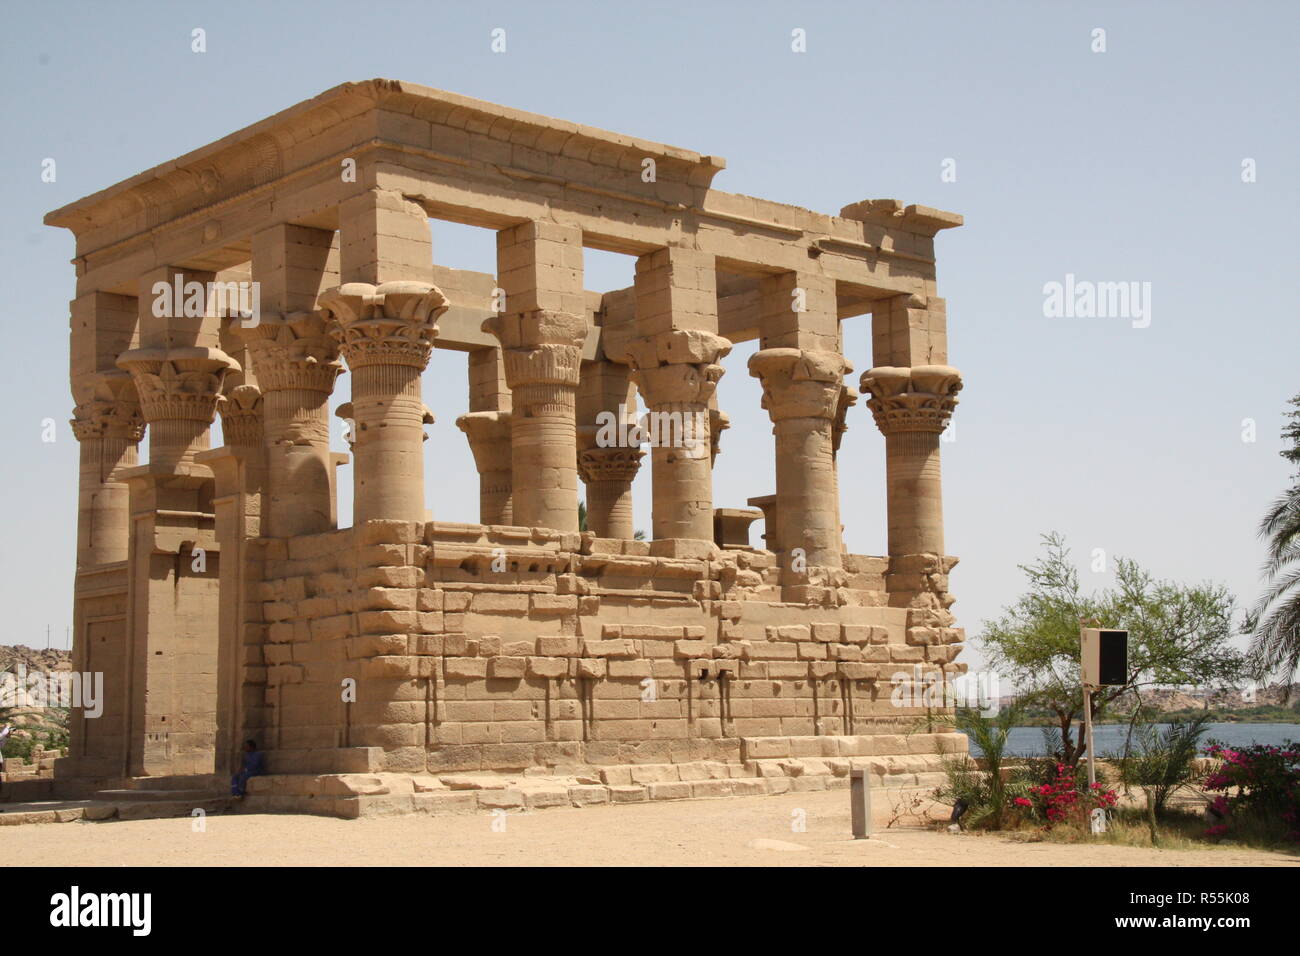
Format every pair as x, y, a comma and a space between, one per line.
382, 120
267, 149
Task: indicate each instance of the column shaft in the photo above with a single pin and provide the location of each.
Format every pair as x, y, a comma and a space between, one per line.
682, 471
544, 455
912, 406
103, 506
609, 509
807, 515
801, 392
389, 443
489, 441
386, 334
915, 493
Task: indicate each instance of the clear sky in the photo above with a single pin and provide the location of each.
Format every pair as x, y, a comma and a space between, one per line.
1122, 165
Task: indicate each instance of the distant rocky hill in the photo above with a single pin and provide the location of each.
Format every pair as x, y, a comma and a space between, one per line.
33, 726
53, 659
1173, 700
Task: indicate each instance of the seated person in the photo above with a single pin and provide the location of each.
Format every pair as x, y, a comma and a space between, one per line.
254, 764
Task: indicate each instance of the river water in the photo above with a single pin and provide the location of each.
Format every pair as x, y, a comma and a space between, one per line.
1109, 738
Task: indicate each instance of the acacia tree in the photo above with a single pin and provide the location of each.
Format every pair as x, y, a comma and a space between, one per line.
1178, 634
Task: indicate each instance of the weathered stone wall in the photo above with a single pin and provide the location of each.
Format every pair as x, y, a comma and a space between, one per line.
495, 648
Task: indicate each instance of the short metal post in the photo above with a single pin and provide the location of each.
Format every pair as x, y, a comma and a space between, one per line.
860, 796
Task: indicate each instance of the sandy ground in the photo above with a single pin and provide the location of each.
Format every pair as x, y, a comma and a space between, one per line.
685, 833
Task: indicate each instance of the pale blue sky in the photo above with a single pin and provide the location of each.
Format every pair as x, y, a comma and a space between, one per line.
1115, 166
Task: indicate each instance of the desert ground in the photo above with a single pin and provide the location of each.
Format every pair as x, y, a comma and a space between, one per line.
742, 831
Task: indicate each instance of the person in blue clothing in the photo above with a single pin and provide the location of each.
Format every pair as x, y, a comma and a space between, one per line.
254, 764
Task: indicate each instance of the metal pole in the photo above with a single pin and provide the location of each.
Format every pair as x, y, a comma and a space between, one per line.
1087, 734
860, 798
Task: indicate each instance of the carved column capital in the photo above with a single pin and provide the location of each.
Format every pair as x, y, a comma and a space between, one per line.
917, 399
107, 406
393, 323
719, 422
489, 439
678, 367
178, 384
241, 416
293, 351
848, 398
799, 383
539, 348
609, 464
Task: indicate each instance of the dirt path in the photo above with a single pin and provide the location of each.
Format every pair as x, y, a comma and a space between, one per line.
688, 833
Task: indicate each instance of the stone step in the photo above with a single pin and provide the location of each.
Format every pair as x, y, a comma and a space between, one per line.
212, 783
68, 811
123, 796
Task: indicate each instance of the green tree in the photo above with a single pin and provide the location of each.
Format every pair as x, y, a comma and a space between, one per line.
1178, 634
1274, 622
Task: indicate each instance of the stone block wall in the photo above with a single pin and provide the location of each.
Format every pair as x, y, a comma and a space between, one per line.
467, 647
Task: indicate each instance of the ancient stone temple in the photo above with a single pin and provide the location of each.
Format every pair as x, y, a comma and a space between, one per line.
389, 662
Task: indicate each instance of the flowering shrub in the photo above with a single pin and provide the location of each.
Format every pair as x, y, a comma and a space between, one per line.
1260, 782
1067, 799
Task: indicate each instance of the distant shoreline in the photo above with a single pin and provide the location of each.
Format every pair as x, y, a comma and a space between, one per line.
1264, 715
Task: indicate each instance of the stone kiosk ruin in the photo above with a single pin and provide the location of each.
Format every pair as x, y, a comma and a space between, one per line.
394, 664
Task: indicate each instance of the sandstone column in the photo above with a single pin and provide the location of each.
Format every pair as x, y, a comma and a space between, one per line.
912, 407
108, 425
609, 453
608, 473
487, 427
542, 332
801, 392
802, 370
848, 398
296, 363
543, 352
386, 334
674, 360
239, 517
677, 373
489, 441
